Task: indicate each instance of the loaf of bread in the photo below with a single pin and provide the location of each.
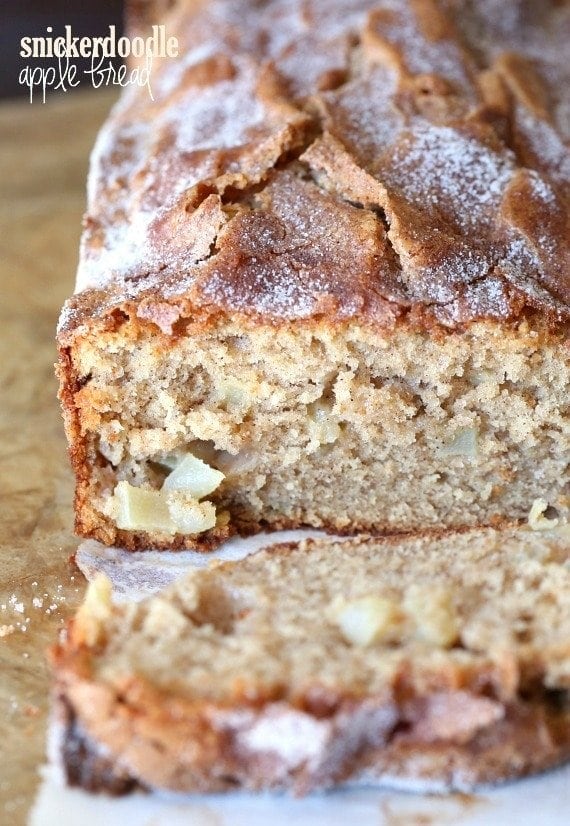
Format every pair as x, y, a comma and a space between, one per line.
324, 275
437, 662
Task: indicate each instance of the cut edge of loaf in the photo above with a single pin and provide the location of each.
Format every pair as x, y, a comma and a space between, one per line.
347, 429
438, 717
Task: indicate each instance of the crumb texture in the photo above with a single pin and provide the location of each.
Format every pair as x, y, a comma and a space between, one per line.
499, 591
339, 428
242, 674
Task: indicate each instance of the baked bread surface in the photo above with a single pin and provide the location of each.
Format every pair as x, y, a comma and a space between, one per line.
343, 157
317, 186
435, 662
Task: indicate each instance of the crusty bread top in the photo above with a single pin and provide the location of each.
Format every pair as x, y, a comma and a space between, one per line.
372, 158
486, 611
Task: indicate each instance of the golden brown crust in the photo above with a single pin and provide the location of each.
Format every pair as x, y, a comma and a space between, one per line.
373, 161
520, 746
139, 737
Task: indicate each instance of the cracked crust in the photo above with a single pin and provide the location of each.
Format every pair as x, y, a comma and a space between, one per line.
366, 160
288, 702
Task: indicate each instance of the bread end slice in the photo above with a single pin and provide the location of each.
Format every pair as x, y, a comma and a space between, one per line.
435, 662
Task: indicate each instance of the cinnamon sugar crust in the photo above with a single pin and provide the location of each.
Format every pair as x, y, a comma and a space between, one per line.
529, 739
356, 159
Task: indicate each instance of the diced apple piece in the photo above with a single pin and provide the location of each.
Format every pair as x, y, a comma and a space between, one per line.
366, 620
234, 393
433, 611
464, 444
193, 476
94, 612
142, 510
536, 518
323, 427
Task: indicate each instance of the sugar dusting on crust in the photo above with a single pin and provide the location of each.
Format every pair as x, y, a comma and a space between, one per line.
147, 166
423, 43
450, 172
421, 139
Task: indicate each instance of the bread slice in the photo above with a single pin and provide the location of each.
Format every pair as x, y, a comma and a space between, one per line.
324, 276
436, 662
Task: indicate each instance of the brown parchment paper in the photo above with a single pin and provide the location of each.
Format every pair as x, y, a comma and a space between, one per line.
44, 151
